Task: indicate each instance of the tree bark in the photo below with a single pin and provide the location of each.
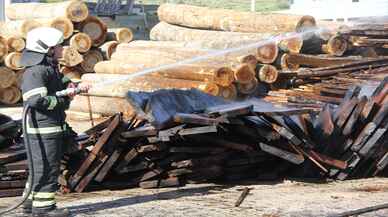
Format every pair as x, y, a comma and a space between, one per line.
167, 32
320, 61
106, 106
10, 95
7, 77
123, 84
81, 42
324, 42
95, 28
121, 35
12, 61
75, 10
108, 48
91, 58
230, 20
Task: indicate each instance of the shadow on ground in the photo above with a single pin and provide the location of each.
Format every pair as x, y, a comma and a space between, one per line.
169, 195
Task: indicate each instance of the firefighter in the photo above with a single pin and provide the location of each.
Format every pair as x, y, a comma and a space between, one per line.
46, 127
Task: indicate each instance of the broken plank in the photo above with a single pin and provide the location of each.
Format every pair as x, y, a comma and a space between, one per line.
197, 119
197, 130
140, 132
161, 183
285, 155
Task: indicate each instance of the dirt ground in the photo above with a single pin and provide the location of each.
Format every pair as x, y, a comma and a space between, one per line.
284, 199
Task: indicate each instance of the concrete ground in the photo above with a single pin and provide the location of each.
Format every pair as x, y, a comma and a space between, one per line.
284, 199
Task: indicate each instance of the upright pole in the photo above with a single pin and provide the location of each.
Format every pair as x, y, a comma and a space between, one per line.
253, 5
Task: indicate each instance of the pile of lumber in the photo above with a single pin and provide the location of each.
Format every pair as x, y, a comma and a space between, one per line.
161, 146
13, 165
87, 40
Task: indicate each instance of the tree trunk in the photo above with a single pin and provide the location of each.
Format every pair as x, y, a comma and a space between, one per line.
15, 43
267, 53
95, 28
7, 77
121, 35
19, 27
108, 48
102, 105
91, 58
283, 62
267, 73
124, 83
12, 61
167, 32
230, 20
71, 57
75, 10
291, 44
63, 24
81, 42
320, 61
10, 95
244, 73
324, 42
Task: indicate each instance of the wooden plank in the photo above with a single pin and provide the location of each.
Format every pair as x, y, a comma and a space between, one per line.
11, 192
196, 150
242, 197
108, 165
197, 119
285, 155
132, 154
136, 167
197, 130
13, 184
151, 174
150, 148
231, 110
75, 179
140, 132
353, 119
346, 113
13, 156
95, 167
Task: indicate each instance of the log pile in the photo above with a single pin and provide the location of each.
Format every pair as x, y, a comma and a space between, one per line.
87, 40
253, 139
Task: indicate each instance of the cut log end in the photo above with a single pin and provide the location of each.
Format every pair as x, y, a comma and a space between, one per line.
336, 46
250, 60
77, 11
74, 73
244, 74
16, 43
10, 95
224, 76
108, 49
285, 64
292, 44
210, 88
12, 61
247, 88
64, 25
267, 53
229, 92
71, 57
267, 73
121, 35
91, 58
305, 23
81, 42
7, 77
96, 30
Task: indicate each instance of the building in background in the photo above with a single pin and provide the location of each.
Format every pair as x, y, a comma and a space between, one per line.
340, 9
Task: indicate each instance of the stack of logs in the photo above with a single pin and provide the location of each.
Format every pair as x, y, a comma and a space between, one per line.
87, 40
271, 59
232, 142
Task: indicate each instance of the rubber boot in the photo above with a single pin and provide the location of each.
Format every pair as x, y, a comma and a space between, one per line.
51, 212
27, 207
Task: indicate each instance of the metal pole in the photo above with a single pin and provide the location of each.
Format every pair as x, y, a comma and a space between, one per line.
2, 10
253, 5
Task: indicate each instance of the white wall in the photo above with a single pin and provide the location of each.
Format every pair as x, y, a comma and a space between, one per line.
335, 9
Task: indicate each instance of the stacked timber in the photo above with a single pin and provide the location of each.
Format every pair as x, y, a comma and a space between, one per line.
166, 145
87, 40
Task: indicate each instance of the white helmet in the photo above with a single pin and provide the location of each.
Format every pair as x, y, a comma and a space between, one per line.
38, 42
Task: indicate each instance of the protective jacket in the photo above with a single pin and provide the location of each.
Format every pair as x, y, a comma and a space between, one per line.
47, 117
